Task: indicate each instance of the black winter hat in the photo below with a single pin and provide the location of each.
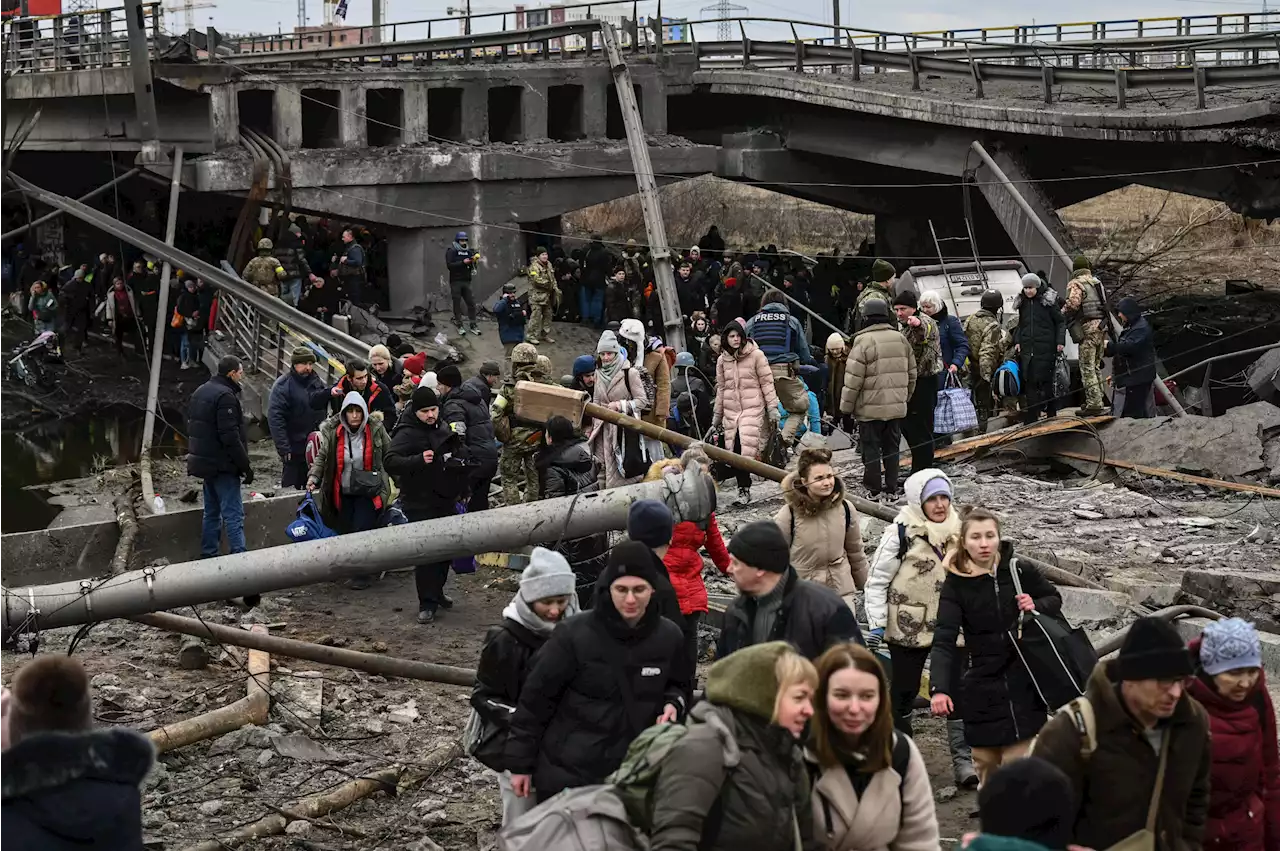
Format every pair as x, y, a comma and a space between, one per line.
649, 521
629, 558
449, 376
992, 301
762, 546
1028, 799
1153, 650
906, 299
424, 397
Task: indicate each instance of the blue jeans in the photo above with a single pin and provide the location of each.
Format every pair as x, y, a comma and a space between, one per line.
291, 291
222, 504
192, 346
591, 305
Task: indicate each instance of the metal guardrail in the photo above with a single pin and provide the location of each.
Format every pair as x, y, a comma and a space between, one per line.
92, 39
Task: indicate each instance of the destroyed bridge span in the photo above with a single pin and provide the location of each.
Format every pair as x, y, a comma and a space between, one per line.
502, 132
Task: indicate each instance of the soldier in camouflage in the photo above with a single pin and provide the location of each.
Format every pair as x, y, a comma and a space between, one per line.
880, 286
1085, 313
922, 333
542, 297
520, 439
986, 352
264, 271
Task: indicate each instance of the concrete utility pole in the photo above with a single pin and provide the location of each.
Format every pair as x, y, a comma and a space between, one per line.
663, 276
144, 97
691, 496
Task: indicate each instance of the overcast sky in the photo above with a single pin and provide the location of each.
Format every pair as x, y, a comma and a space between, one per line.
270, 15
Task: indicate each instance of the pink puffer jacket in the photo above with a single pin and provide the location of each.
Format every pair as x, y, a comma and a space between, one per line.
744, 394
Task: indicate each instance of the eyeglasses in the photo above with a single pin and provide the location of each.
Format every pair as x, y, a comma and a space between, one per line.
624, 591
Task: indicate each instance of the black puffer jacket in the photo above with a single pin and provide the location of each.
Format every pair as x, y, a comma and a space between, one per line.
1041, 329
75, 791
595, 686
567, 468
426, 490
813, 618
295, 409
217, 441
464, 405
504, 666
1000, 702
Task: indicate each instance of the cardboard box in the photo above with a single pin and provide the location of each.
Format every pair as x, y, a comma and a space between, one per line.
537, 403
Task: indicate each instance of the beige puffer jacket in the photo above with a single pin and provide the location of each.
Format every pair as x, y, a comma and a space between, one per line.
823, 548
744, 396
880, 374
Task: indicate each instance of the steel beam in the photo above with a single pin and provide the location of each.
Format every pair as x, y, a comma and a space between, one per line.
691, 496
144, 95
88, 196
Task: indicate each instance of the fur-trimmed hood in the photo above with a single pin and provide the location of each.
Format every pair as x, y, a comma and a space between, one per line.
65, 790
1047, 295
802, 503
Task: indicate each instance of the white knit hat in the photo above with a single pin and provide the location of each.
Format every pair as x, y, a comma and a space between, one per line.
548, 575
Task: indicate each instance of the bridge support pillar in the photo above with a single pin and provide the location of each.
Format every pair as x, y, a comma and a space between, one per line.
595, 108
287, 117
415, 264
352, 127
533, 107
654, 97
224, 116
475, 113
414, 110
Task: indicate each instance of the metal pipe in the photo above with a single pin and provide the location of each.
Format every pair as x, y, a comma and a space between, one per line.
691, 496
158, 341
1254, 351
374, 663
88, 196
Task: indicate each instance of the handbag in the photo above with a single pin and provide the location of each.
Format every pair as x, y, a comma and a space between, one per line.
1058, 657
462, 564
176, 321
366, 483
1145, 839
1061, 377
307, 525
954, 411
720, 471
634, 461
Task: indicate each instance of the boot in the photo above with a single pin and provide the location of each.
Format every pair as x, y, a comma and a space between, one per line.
475, 329
961, 756
744, 496
426, 616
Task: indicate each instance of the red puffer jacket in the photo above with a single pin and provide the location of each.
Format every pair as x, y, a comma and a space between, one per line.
1244, 802
684, 563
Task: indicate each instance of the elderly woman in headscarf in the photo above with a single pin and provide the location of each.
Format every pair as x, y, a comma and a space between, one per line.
620, 386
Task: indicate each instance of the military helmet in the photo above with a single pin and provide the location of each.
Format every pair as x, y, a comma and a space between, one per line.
524, 353
265, 244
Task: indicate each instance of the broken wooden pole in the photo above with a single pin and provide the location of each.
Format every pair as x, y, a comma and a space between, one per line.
127, 521
250, 709
373, 663
1174, 475
340, 797
1113, 643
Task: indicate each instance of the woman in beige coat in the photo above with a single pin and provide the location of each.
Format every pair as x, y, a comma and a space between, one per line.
871, 787
822, 527
619, 385
746, 404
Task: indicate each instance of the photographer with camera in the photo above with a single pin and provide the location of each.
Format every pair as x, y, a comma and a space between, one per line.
461, 261
426, 459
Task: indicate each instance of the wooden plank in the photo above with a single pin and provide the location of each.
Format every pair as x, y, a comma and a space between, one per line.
1241, 487
1050, 426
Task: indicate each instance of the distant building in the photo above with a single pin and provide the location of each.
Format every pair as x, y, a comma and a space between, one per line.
674, 29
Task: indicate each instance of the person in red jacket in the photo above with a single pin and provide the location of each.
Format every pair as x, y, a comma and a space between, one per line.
682, 559
1244, 798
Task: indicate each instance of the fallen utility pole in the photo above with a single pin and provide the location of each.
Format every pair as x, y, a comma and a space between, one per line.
1172, 613
88, 196
690, 495
774, 474
663, 276
1144, 469
373, 663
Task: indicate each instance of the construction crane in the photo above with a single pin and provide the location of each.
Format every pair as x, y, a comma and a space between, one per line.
724, 31
188, 8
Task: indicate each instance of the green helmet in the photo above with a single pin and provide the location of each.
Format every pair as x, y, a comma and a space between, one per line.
265, 244
525, 353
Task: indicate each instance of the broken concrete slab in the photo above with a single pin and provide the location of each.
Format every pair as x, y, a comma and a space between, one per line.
1146, 592
298, 700
1086, 604
1227, 586
305, 749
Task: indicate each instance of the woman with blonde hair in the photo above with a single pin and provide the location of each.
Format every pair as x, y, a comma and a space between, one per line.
871, 789
386, 368
737, 780
1003, 709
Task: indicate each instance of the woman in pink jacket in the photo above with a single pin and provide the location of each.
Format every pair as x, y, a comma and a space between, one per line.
746, 404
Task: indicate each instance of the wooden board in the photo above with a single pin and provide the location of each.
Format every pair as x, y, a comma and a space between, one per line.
1241, 487
1053, 425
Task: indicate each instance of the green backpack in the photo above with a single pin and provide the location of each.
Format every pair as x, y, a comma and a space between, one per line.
638, 774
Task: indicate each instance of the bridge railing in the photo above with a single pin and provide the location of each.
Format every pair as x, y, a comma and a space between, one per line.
97, 38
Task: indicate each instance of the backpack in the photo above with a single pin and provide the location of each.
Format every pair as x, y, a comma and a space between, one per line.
848, 520
585, 818
638, 773
308, 526
1082, 717
1006, 382
900, 760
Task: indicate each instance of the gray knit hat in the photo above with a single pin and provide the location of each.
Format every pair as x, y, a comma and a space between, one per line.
608, 343
548, 575
1229, 644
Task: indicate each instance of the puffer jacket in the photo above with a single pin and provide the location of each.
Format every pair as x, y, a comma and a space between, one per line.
1000, 700
952, 339
1244, 781
217, 441
295, 408
744, 395
753, 768
464, 411
879, 374
567, 469
426, 490
1041, 329
683, 561
825, 537
1134, 351
324, 469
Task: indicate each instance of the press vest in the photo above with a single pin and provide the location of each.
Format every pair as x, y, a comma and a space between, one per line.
772, 332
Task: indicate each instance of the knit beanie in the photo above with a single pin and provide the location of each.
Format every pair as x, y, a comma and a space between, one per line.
302, 354
904, 299
1229, 644
649, 521
992, 301
1129, 308
1031, 281
935, 486
762, 546
629, 558
449, 375
1080, 262
490, 368
424, 396
882, 270
50, 693
1028, 799
1153, 650
876, 307
548, 575
416, 364
747, 680
584, 364
608, 343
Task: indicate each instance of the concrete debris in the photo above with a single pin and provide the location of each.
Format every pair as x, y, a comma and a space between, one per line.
211, 808
405, 713
1081, 605
305, 749
1253, 595
299, 701
250, 736
1086, 514
944, 794
299, 828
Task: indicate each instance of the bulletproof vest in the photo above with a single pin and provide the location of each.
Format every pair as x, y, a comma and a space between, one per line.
772, 332
1091, 303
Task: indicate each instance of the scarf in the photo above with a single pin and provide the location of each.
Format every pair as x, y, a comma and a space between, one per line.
609, 370
522, 613
937, 534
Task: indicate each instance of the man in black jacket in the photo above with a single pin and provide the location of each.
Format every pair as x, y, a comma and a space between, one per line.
217, 452
358, 378
426, 461
774, 604
464, 410
598, 265
461, 262
1134, 367
294, 410
1041, 335
292, 254
67, 785
604, 677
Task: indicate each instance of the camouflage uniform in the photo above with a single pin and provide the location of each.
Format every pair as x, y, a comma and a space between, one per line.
926, 345
986, 339
264, 271
1084, 310
542, 290
870, 290
520, 440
